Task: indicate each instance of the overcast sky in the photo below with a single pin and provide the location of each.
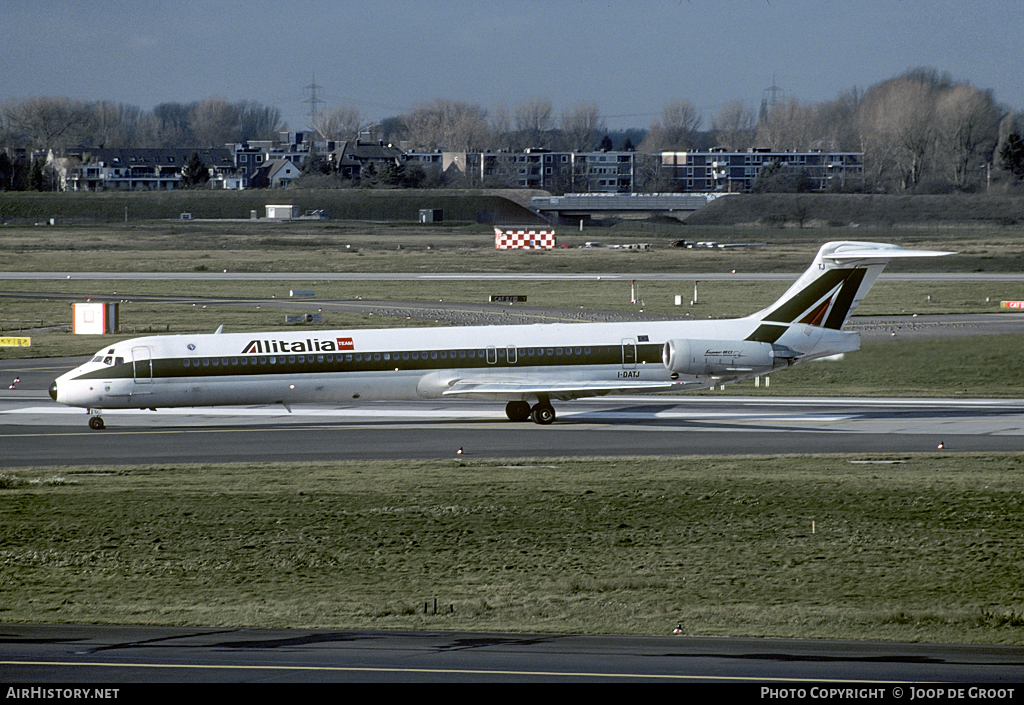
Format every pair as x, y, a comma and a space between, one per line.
384, 56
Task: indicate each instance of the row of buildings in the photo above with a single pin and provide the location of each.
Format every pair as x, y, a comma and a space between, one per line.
276, 164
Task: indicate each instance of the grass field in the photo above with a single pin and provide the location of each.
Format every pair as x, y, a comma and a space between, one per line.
374, 246
917, 547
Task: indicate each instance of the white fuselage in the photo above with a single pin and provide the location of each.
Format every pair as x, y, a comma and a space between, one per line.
555, 361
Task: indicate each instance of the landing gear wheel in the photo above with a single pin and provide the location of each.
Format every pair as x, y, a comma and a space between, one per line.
543, 414
518, 411
96, 423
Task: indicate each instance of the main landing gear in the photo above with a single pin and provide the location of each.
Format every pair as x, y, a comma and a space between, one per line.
542, 412
95, 420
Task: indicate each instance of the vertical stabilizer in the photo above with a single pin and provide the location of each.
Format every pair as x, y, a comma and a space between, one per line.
836, 282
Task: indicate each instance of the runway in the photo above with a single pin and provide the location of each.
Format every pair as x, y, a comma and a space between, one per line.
96, 654
35, 431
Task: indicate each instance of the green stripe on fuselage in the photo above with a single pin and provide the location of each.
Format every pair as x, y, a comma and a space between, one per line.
226, 366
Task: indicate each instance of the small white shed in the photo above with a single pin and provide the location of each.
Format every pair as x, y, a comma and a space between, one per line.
283, 212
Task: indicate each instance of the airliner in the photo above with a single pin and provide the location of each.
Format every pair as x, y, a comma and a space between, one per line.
526, 366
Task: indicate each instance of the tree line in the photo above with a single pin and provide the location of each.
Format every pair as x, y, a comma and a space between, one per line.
920, 132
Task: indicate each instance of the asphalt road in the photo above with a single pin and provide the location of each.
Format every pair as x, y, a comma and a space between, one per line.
94, 654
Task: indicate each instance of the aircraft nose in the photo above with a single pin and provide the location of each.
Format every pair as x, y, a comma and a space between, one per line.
53, 390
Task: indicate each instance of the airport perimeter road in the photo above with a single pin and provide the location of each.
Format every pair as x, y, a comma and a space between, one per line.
35, 654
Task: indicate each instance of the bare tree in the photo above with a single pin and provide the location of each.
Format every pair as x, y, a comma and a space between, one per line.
257, 121
790, 125
215, 122
119, 125
837, 121
733, 126
968, 127
341, 122
446, 124
48, 122
534, 119
582, 126
500, 125
174, 124
923, 126
677, 129
898, 131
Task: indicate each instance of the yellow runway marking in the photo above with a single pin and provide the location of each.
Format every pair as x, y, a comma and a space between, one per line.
442, 671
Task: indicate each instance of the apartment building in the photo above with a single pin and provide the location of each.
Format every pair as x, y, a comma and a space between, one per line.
98, 169
579, 172
733, 172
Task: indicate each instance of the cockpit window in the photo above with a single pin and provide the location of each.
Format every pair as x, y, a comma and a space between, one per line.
108, 359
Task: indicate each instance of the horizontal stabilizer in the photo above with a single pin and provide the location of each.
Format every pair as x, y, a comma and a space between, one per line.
854, 251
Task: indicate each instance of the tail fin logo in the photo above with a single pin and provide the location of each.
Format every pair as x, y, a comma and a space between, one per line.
824, 302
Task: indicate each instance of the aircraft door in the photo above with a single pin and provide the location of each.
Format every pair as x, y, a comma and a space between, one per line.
142, 361
511, 355
628, 353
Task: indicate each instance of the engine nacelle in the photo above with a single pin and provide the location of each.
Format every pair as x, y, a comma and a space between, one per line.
720, 357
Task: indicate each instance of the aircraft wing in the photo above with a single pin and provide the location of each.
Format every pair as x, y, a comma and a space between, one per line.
514, 389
